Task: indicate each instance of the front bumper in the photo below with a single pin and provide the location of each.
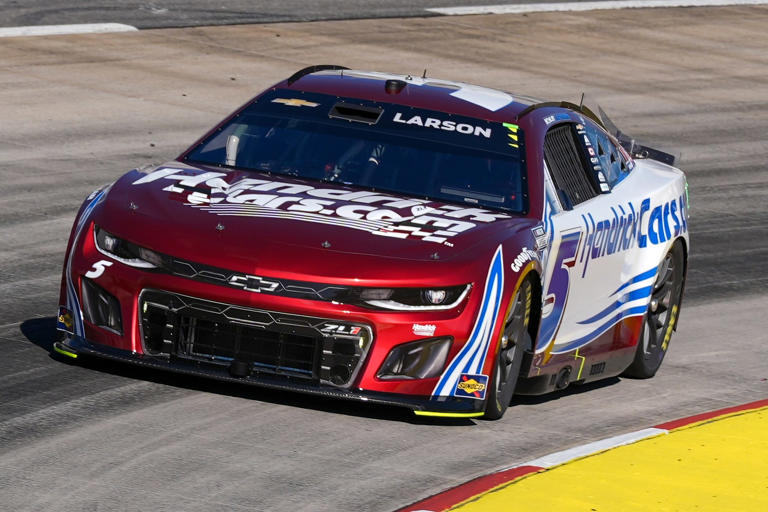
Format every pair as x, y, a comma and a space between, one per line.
454, 407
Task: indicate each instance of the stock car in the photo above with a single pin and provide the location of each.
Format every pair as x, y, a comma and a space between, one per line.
393, 239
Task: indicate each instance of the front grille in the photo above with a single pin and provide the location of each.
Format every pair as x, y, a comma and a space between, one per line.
321, 350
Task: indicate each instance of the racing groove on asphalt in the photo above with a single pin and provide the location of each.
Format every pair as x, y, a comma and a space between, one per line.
77, 111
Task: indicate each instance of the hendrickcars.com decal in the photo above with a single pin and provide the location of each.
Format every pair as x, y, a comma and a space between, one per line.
374, 212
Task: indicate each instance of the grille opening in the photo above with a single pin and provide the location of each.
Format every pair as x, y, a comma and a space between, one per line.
249, 342
101, 307
566, 166
357, 113
597, 368
230, 341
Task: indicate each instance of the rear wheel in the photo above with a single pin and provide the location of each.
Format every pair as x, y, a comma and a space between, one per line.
661, 317
515, 340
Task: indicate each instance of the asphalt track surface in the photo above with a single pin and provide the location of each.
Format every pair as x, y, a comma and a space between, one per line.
189, 13
77, 111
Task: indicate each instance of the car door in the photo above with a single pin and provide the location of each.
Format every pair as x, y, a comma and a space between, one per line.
587, 230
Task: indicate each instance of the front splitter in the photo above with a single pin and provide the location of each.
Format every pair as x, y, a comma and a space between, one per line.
445, 407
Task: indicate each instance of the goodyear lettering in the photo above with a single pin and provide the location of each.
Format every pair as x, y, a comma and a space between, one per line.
525, 256
670, 327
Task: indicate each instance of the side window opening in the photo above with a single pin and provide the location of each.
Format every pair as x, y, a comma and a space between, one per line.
612, 165
569, 172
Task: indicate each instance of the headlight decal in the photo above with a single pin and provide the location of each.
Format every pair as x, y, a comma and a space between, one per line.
471, 358
125, 252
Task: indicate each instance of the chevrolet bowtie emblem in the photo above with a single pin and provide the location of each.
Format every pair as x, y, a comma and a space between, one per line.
295, 102
253, 283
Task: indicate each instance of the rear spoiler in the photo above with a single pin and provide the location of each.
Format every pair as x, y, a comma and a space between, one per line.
633, 148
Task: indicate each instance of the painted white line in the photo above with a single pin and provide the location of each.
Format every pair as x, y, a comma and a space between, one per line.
554, 459
51, 30
588, 6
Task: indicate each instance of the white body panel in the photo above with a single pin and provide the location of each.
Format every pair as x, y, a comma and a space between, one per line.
603, 255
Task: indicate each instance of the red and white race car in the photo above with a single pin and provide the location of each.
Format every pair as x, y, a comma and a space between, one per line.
387, 238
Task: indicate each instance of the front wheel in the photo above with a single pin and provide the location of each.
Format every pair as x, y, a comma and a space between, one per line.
661, 317
515, 340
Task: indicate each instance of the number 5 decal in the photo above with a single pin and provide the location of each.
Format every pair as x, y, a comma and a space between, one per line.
557, 291
98, 268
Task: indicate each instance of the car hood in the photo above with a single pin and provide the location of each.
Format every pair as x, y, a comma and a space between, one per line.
209, 214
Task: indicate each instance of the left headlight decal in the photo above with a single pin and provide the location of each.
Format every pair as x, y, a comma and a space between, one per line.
125, 252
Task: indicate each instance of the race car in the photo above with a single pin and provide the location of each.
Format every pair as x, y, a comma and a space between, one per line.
388, 238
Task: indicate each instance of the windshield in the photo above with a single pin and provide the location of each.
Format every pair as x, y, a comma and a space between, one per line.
385, 147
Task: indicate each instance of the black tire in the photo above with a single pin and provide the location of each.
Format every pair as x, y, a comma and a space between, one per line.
661, 318
509, 357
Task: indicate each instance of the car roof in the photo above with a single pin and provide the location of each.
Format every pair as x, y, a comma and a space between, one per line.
419, 92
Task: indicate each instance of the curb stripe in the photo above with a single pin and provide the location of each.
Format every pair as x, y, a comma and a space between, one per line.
690, 420
473, 489
587, 6
557, 458
54, 30
465, 492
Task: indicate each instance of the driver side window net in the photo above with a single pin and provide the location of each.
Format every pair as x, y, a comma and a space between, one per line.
566, 166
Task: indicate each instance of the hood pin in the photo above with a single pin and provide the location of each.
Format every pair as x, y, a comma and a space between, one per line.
434, 256
219, 227
132, 206
326, 244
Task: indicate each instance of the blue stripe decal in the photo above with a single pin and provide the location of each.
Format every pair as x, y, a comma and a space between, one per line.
640, 277
640, 293
73, 303
639, 310
471, 357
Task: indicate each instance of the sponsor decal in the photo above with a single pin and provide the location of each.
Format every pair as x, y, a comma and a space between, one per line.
594, 160
471, 386
540, 234
377, 213
471, 358
424, 329
591, 151
295, 102
97, 269
340, 329
642, 226
557, 117
604, 187
64, 321
524, 257
445, 125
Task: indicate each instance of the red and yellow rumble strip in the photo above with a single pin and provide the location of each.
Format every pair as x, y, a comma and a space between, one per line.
712, 461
